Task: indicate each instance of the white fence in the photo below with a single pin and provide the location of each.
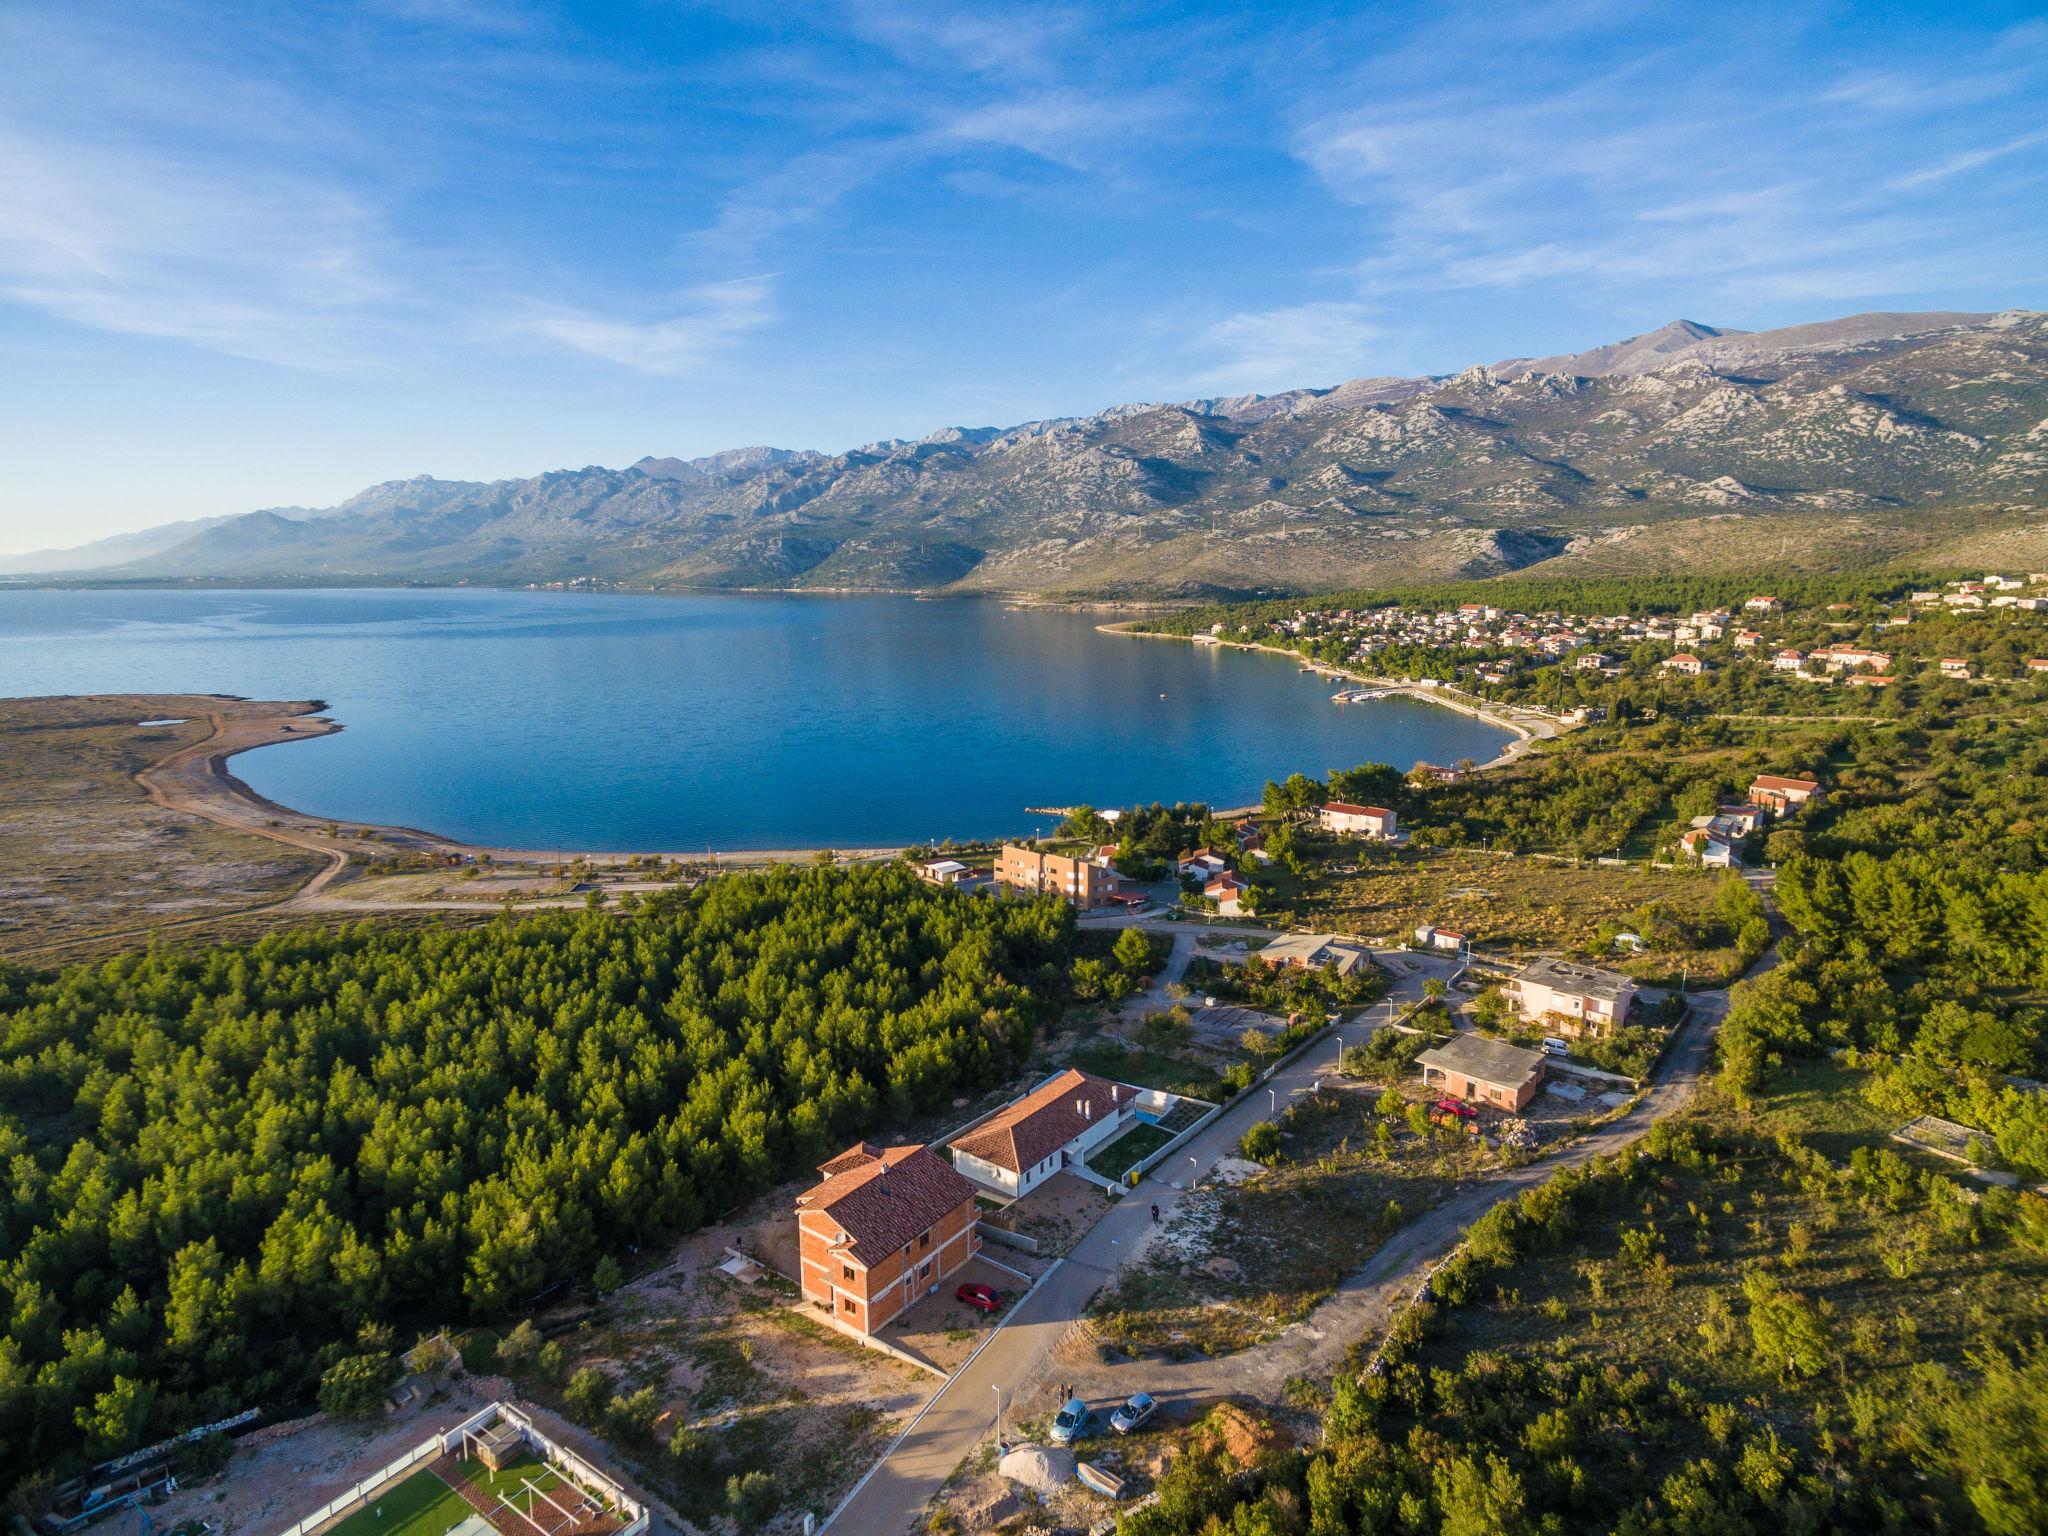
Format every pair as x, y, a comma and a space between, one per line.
425, 1451
450, 1441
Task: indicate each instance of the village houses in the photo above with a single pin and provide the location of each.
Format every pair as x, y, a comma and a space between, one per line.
1081, 881
1782, 796
1477, 1069
1315, 952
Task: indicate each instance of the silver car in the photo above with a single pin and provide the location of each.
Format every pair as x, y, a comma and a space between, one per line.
1134, 1414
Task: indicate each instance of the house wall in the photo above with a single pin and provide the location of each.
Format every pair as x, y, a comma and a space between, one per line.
985, 1173
1456, 1085
868, 1299
1538, 999
1080, 881
1367, 826
1005, 1182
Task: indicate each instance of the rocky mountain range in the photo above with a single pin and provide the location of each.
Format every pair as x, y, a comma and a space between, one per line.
1868, 438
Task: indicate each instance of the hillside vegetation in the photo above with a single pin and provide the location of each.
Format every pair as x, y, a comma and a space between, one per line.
1769, 1316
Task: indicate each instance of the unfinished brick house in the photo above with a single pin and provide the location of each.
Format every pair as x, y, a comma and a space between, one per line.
883, 1230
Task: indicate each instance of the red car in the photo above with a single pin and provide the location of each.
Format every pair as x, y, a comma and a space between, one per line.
1453, 1107
982, 1298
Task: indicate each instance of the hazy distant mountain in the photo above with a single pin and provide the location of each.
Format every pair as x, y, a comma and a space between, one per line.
1844, 442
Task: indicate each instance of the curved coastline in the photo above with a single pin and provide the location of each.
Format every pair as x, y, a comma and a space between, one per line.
1527, 727
196, 779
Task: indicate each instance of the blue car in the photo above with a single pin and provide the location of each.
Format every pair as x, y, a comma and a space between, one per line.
1070, 1423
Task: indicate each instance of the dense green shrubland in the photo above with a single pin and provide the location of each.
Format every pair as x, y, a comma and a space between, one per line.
233, 1168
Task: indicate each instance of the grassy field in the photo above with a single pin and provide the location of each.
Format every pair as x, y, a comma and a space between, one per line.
84, 852
1516, 900
422, 1505
1240, 1262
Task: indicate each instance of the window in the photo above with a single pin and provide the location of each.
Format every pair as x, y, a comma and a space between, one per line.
846, 1302
924, 1238
846, 1271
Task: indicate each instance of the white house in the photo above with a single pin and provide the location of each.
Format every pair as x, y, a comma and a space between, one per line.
1227, 891
1050, 1128
944, 871
1201, 865
1570, 999
1371, 821
1710, 849
1430, 937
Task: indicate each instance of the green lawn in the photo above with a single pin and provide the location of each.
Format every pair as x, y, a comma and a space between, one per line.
422, 1505
1128, 1150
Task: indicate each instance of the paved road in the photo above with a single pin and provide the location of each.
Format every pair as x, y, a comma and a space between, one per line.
1364, 1303
1022, 1354
963, 1411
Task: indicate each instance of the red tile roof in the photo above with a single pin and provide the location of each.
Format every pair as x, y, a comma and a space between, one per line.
1346, 808
1044, 1120
882, 1198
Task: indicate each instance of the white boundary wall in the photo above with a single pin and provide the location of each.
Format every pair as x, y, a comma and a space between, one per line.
449, 1442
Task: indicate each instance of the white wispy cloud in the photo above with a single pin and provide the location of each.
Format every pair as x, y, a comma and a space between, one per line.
1261, 351
1965, 160
707, 321
1622, 179
262, 265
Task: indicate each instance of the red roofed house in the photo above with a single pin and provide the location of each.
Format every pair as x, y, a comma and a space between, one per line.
886, 1226
1226, 891
1781, 796
1684, 662
1026, 1142
1366, 820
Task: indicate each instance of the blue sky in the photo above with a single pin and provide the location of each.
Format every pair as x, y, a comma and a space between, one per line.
257, 255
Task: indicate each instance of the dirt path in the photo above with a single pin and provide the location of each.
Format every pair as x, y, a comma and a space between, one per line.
196, 780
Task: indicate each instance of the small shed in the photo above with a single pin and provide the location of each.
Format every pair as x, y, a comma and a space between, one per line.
500, 1446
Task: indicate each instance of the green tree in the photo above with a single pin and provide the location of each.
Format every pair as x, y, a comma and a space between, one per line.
1261, 1143
1788, 1331
1133, 951
587, 1395
119, 1417
354, 1386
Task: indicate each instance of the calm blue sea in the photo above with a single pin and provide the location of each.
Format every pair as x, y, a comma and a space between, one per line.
546, 720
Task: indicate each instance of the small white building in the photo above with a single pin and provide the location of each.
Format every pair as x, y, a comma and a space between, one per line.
1227, 891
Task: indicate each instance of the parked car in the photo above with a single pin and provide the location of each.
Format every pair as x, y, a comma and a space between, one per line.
1135, 1414
1070, 1423
1552, 1046
1454, 1108
983, 1298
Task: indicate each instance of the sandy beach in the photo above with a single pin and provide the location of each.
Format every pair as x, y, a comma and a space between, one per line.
1528, 726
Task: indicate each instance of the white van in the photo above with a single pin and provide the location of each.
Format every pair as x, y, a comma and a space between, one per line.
1552, 1046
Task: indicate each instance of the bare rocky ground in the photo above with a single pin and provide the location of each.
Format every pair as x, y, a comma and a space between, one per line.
83, 849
